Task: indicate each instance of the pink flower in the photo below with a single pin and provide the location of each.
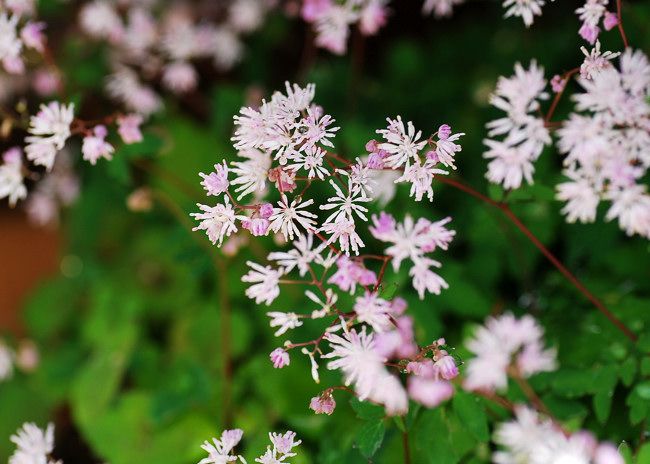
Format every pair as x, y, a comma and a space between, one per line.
373, 17
129, 128
557, 83
429, 393
607, 453
589, 33
444, 132
216, 182
33, 37
179, 77
323, 404
257, 226
313, 9
95, 147
266, 210
279, 358
447, 367
610, 21
46, 82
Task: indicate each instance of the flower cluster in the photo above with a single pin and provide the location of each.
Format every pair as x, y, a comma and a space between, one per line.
535, 439
33, 445
332, 20
506, 346
47, 135
220, 451
19, 33
591, 14
525, 9
287, 141
606, 142
148, 47
523, 130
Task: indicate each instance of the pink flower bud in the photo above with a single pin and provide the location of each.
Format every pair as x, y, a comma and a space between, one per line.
557, 83
367, 277
372, 146
279, 358
13, 156
447, 367
266, 210
433, 156
610, 21
323, 404
33, 37
257, 226
444, 132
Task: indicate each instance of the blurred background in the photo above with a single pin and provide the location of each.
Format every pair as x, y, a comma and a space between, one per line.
147, 344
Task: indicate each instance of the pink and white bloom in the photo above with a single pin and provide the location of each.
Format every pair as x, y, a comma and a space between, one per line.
266, 283
216, 182
279, 358
95, 146
12, 184
129, 128
49, 129
217, 221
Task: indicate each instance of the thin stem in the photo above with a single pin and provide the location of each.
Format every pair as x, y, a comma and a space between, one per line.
505, 209
565, 77
620, 23
405, 444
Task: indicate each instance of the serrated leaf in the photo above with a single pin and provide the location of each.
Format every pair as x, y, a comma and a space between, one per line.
369, 438
471, 412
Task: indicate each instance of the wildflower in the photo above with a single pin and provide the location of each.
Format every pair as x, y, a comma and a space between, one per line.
595, 61
217, 221
288, 216
402, 143
129, 128
216, 182
323, 404
219, 451
179, 77
95, 146
374, 311
285, 321
11, 177
440, 8
266, 283
279, 358
49, 129
505, 342
525, 9
32, 443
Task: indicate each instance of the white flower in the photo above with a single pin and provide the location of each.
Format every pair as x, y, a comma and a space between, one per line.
251, 175
217, 221
325, 306
402, 143
420, 177
285, 321
33, 444
49, 129
509, 166
11, 178
10, 44
333, 27
526, 9
219, 450
311, 161
374, 311
266, 282
582, 200
344, 230
288, 216
361, 178
355, 354
99, 19
345, 205
632, 208
125, 87
301, 256
424, 279
595, 61
502, 342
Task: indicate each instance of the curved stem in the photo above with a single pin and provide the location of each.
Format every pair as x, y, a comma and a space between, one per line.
505, 209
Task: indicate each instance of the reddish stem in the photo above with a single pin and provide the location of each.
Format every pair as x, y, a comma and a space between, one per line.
505, 209
620, 23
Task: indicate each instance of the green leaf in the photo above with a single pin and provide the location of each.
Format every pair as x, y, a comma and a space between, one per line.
605, 384
369, 437
367, 411
432, 439
645, 366
643, 457
471, 412
643, 390
627, 371
626, 452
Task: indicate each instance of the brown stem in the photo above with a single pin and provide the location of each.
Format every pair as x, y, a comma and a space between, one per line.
405, 444
505, 209
620, 23
558, 96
